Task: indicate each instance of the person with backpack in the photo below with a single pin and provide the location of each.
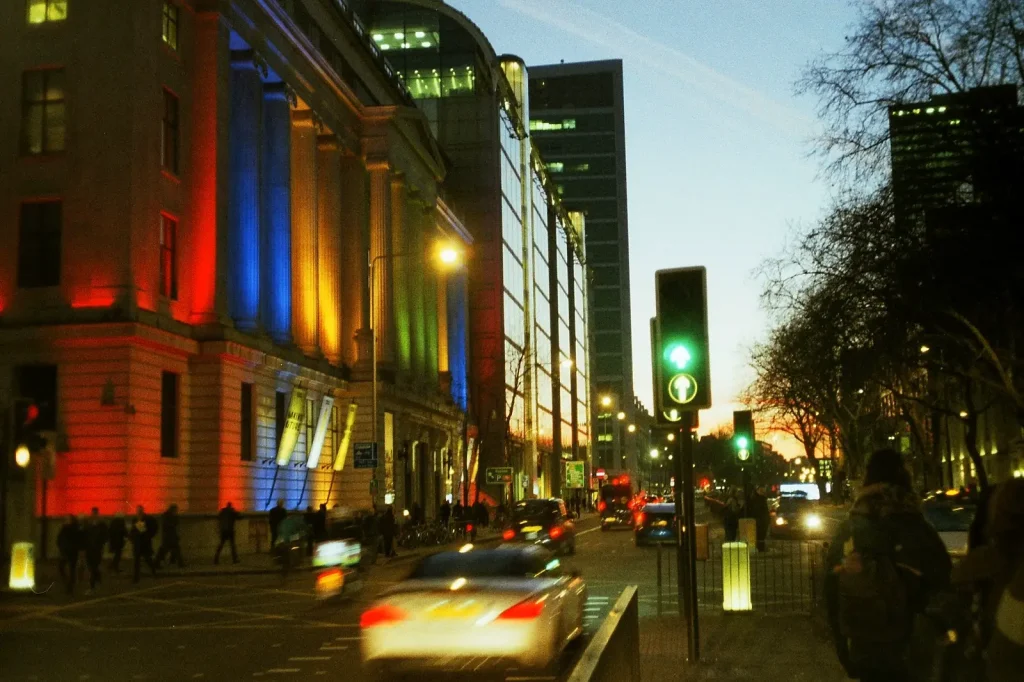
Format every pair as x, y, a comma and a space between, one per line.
884, 565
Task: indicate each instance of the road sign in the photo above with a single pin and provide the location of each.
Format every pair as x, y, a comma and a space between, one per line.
600, 473
575, 475
364, 455
497, 475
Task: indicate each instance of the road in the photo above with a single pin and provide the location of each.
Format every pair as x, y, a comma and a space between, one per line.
253, 627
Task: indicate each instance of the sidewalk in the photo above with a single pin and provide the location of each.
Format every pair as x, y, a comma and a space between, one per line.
739, 647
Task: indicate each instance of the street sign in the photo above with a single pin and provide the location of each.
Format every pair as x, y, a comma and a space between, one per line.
364, 455
600, 473
575, 475
496, 475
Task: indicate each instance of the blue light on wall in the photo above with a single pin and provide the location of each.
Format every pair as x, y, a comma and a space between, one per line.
277, 252
244, 209
458, 357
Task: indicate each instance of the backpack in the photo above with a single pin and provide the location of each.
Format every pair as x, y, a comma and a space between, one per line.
874, 596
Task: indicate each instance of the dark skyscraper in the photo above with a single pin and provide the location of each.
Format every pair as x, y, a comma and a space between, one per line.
577, 123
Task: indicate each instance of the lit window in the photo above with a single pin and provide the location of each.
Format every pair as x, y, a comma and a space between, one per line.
169, 133
42, 118
44, 11
170, 25
556, 167
569, 124
39, 244
168, 257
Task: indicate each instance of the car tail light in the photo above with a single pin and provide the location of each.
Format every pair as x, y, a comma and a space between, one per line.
469, 527
509, 534
601, 506
385, 614
640, 518
524, 610
556, 532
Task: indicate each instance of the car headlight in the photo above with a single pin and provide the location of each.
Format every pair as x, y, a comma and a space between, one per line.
812, 521
779, 521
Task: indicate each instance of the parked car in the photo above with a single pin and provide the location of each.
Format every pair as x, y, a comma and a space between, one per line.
542, 522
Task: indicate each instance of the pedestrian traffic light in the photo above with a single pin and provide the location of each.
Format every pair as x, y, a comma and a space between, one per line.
679, 341
743, 433
27, 437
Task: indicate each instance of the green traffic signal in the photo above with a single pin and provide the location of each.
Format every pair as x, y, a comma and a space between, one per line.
742, 443
678, 356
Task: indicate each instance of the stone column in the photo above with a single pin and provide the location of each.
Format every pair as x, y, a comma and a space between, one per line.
432, 275
418, 261
304, 232
277, 214
244, 210
441, 328
355, 292
400, 244
380, 250
329, 246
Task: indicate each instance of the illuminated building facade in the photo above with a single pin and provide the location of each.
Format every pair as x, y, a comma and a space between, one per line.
186, 278
530, 373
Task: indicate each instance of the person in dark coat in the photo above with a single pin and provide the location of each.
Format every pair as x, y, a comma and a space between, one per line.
731, 517
388, 527
885, 521
170, 539
757, 508
277, 515
226, 522
69, 544
117, 532
320, 524
446, 512
309, 517
144, 529
95, 537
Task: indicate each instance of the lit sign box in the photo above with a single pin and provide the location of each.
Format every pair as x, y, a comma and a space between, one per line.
337, 553
736, 577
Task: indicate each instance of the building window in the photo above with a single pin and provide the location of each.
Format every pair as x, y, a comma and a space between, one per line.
248, 432
168, 257
169, 133
280, 415
46, 11
170, 25
39, 245
43, 124
169, 386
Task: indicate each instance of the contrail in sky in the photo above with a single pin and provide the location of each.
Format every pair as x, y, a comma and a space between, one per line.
598, 29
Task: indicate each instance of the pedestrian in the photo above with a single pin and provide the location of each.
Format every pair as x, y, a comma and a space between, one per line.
886, 563
320, 524
994, 572
69, 544
291, 532
309, 517
144, 529
445, 512
416, 518
731, 516
757, 508
371, 534
117, 533
170, 539
95, 539
226, 522
388, 526
277, 515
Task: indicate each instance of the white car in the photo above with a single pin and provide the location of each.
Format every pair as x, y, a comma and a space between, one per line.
512, 606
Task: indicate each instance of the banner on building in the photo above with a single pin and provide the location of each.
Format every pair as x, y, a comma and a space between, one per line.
346, 438
320, 434
296, 417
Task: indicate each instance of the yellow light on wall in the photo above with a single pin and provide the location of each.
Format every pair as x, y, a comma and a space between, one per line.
23, 566
22, 456
736, 577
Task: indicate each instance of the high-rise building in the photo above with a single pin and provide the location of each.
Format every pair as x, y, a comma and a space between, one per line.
528, 299
577, 121
956, 149
189, 241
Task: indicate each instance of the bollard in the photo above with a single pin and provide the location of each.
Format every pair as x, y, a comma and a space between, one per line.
703, 541
748, 533
736, 577
23, 566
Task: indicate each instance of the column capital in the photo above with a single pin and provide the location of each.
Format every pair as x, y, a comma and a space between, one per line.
328, 142
277, 90
377, 163
398, 180
303, 118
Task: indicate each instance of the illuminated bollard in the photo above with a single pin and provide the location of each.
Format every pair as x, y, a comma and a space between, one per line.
736, 577
23, 566
748, 533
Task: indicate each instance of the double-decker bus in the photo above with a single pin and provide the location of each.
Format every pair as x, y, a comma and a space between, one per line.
615, 505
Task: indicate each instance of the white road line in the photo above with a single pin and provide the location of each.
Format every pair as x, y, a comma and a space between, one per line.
333, 648
283, 670
309, 658
347, 639
589, 530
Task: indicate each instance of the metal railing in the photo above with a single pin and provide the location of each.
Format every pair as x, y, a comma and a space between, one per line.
613, 653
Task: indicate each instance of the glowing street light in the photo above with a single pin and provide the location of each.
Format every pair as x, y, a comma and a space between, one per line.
449, 255
670, 437
655, 453
606, 401
22, 456
620, 416
631, 428
924, 348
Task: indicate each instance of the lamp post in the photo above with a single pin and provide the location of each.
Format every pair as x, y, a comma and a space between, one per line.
449, 257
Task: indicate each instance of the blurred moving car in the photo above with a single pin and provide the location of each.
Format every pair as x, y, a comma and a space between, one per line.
615, 505
338, 559
952, 520
512, 605
654, 524
797, 517
542, 522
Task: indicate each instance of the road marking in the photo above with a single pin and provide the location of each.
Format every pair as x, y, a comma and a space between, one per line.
276, 644
325, 647
273, 671
582, 532
309, 658
347, 639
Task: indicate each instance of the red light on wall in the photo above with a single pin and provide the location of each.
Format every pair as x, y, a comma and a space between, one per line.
93, 301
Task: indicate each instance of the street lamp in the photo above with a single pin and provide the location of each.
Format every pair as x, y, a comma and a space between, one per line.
606, 401
449, 257
654, 453
620, 416
924, 348
22, 456
671, 437
631, 428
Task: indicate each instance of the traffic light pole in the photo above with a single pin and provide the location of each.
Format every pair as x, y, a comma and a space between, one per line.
686, 549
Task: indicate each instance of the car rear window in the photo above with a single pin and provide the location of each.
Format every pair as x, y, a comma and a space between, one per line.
501, 564
532, 509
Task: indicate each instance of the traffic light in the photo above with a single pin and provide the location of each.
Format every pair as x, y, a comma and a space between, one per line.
680, 353
743, 434
27, 437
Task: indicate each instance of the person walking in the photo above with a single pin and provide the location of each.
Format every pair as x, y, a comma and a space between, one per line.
170, 539
95, 537
277, 515
116, 534
226, 519
388, 527
320, 524
731, 516
144, 528
883, 567
309, 517
445, 513
69, 544
757, 507
291, 532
